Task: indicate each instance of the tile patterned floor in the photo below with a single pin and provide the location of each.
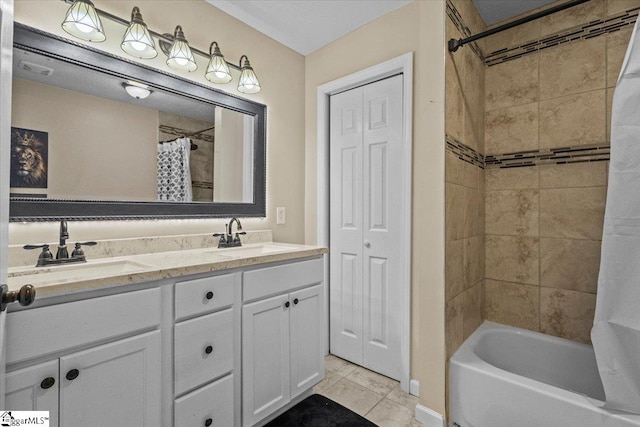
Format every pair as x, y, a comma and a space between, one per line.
377, 398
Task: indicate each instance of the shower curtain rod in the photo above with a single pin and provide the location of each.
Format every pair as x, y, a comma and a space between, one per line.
455, 44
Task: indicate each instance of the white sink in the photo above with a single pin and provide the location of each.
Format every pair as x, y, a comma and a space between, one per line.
251, 251
73, 272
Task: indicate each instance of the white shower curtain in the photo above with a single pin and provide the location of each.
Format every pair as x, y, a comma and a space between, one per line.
174, 174
616, 330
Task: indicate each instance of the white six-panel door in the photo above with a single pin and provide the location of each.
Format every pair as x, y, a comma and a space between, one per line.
366, 238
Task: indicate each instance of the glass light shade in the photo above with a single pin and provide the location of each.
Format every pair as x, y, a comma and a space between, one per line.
82, 21
137, 41
217, 70
180, 56
137, 90
248, 82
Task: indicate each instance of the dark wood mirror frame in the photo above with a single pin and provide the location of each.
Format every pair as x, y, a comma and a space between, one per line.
34, 209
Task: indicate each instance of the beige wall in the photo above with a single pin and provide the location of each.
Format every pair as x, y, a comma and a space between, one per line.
544, 223
419, 28
464, 123
90, 158
228, 164
281, 74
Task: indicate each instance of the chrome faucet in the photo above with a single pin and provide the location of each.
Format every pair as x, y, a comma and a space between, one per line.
227, 240
62, 255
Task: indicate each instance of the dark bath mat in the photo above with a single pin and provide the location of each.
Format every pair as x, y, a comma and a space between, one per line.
318, 411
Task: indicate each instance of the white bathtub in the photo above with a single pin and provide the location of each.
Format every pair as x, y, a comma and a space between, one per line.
509, 377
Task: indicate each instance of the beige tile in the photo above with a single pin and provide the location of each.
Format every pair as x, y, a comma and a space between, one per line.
472, 309
474, 219
573, 68
512, 212
617, 44
459, 172
473, 99
512, 259
405, 399
511, 178
576, 213
454, 119
353, 396
454, 332
330, 378
617, 6
455, 210
473, 260
512, 129
512, 304
375, 382
388, 413
567, 314
574, 16
513, 37
454, 268
573, 120
512, 83
587, 174
339, 366
469, 14
609, 109
570, 264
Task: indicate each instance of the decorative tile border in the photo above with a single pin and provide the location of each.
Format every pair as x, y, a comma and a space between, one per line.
464, 152
562, 155
457, 20
581, 32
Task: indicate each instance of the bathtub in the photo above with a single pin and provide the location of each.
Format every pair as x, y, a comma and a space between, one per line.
509, 377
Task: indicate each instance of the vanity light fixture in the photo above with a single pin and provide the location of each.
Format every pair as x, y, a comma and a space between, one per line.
82, 21
180, 56
137, 41
136, 90
217, 70
248, 82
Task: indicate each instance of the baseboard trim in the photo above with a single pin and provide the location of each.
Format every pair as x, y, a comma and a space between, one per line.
414, 387
428, 417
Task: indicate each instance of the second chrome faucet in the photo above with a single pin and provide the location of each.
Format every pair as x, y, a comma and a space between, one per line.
227, 240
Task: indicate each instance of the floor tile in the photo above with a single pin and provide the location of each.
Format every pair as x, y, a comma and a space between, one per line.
375, 382
330, 378
339, 366
391, 414
405, 399
352, 396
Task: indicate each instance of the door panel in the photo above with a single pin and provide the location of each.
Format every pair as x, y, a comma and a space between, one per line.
26, 390
366, 225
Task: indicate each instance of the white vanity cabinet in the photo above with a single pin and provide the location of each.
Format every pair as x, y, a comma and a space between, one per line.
101, 369
207, 351
282, 336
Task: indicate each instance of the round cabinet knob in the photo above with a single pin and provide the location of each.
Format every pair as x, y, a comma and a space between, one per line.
72, 374
295, 301
367, 244
208, 422
47, 383
209, 295
208, 349
287, 304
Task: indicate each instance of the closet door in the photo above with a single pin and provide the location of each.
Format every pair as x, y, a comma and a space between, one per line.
345, 230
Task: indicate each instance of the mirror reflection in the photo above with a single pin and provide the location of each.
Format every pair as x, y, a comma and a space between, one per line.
79, 134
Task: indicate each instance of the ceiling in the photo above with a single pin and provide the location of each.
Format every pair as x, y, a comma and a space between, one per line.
307, 25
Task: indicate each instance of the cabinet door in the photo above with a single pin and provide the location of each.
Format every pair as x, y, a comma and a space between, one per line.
307, 338
113, 384
34, 389
265, 358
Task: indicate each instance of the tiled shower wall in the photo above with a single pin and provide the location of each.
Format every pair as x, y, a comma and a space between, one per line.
544, 222
464, 179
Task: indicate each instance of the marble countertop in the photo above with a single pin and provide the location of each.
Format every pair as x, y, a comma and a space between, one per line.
126, 270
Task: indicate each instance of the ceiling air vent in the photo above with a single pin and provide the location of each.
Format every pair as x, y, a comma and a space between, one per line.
35, 68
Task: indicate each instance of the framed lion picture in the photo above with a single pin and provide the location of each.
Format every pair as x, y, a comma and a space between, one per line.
29, 158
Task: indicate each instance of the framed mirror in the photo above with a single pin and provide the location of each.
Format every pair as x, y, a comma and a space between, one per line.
98, 137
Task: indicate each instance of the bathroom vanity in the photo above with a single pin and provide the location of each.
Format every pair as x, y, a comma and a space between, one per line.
201, 337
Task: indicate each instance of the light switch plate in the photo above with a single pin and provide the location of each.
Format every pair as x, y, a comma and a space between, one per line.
281, 215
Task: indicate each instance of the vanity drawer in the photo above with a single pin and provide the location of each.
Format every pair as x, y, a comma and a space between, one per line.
193, 338
214, 402
42, 331
194, 297
279, 279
